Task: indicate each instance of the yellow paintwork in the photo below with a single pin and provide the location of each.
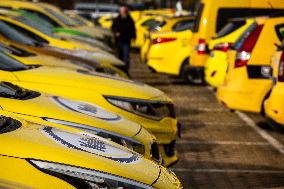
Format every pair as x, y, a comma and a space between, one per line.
207, 26
274, 105
45, 106
169, 57
91, 88
30, 141
105, 21
216, 65
241, 92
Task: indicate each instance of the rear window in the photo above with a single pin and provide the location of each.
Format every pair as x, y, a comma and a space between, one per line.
152, 24
230, 27
225, 14
237, 45
183, 25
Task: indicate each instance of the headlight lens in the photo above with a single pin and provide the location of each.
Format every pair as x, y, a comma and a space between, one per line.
147, 108
86, 108
90, 178
119, 139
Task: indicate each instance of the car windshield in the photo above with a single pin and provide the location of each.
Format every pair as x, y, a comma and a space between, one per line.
60, 17
8, 63
36, 25
13, 35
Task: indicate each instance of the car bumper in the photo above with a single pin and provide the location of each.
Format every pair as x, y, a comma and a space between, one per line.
246, 96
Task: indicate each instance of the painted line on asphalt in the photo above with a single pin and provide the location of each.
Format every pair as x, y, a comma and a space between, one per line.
228, 171
271, 140
224, 143
212, 123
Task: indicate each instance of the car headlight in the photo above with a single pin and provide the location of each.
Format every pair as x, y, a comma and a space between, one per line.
156, 110
114, 137
86, 108
87, 178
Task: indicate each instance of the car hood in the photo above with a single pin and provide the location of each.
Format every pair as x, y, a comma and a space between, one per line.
50, 107
32, 141
92, 81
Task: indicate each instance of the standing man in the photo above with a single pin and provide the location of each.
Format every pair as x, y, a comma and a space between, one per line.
124, 31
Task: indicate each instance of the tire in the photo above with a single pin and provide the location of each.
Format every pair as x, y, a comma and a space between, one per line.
191, 76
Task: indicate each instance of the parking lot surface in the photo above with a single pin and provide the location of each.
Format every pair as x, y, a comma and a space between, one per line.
218, 148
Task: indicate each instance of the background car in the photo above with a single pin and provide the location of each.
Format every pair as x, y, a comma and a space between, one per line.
70, 158
248, 82
211, 18
273, 106
216, 64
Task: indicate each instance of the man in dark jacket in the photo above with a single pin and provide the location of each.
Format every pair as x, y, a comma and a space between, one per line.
123, 28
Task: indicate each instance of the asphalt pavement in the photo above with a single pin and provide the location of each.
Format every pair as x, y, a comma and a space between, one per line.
218, 148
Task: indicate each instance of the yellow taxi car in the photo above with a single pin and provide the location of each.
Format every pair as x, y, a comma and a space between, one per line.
216, 64
53, 16
211, 17
248, 82
167, 24
33, 56
137, 102
159, 56
45, 108
69, 158
273, 106
142, 26
43, 37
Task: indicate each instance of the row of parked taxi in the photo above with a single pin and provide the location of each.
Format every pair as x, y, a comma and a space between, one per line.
234, 46
69, 116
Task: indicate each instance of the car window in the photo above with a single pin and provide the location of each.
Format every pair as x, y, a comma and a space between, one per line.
13, 35
225, 14
36, 25
60, 17
42, 16
183, 25
230, 27
27, 34
153, 24
8, 63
